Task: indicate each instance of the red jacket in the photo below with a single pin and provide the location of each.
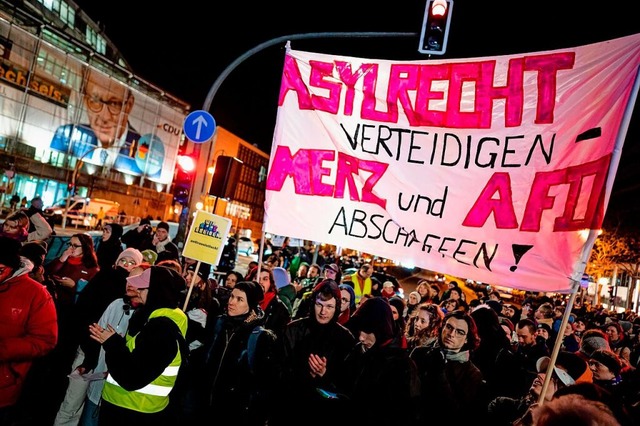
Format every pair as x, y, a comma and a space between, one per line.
28, 330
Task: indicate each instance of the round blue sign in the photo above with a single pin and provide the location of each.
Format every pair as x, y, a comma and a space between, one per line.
199, 126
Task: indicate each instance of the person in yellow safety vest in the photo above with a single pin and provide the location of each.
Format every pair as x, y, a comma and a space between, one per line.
361, 281
143, 366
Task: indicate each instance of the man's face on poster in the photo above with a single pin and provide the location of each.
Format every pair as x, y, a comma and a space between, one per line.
108, 106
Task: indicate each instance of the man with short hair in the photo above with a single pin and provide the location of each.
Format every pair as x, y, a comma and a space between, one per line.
361, 282
332, 271
313, 277
163, 245
529, 349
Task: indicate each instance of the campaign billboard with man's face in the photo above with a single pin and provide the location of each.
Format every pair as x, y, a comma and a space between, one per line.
65, 106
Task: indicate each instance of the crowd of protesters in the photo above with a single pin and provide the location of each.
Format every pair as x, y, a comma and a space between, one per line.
131, 332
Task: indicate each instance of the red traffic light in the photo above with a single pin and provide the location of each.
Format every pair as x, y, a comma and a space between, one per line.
435, 27
186, 163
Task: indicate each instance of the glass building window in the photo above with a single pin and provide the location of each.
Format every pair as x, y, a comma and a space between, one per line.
96, 40
61, 8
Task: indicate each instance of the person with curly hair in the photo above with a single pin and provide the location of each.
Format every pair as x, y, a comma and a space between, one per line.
423, 328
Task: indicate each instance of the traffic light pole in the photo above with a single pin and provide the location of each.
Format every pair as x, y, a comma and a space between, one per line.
304, 36
274, 41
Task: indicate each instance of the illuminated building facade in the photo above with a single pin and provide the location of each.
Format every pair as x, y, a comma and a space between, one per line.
74, 118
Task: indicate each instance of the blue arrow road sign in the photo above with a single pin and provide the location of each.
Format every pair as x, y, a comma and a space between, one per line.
199, 126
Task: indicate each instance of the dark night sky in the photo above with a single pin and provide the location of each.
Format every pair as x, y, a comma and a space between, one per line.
183, 50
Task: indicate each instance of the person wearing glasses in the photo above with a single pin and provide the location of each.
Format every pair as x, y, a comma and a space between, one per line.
347, 303
451, 384
78, 262
108, 133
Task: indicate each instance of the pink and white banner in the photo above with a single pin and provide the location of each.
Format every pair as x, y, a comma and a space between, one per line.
492, 169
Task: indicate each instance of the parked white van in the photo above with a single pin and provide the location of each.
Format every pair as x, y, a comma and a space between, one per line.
82, 211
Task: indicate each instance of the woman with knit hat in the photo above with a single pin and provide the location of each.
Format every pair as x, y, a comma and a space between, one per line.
606, 367
611, 373
144, 365
591, 340
107, 285
237, 372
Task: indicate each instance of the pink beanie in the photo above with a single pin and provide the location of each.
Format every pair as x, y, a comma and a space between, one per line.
132, 253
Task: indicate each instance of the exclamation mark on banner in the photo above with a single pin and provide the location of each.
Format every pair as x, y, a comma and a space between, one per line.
518, 251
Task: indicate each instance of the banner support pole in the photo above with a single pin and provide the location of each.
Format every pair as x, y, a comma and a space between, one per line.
193, 280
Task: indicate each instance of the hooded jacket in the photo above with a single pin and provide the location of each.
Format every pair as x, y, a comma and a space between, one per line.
384, 372
29, 330
150, 349
108, 251
306, 336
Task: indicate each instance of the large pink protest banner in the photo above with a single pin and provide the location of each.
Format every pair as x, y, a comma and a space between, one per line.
493, 169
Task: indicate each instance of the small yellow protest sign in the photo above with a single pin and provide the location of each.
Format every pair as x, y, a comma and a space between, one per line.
207, 237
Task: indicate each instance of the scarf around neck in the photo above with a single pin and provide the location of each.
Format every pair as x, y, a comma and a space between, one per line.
462, 356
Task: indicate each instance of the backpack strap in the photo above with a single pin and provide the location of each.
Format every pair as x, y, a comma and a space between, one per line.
250, 351
251, 346
216, 334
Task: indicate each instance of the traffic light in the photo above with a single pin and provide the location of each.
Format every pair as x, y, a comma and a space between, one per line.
435, 27
183, 179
